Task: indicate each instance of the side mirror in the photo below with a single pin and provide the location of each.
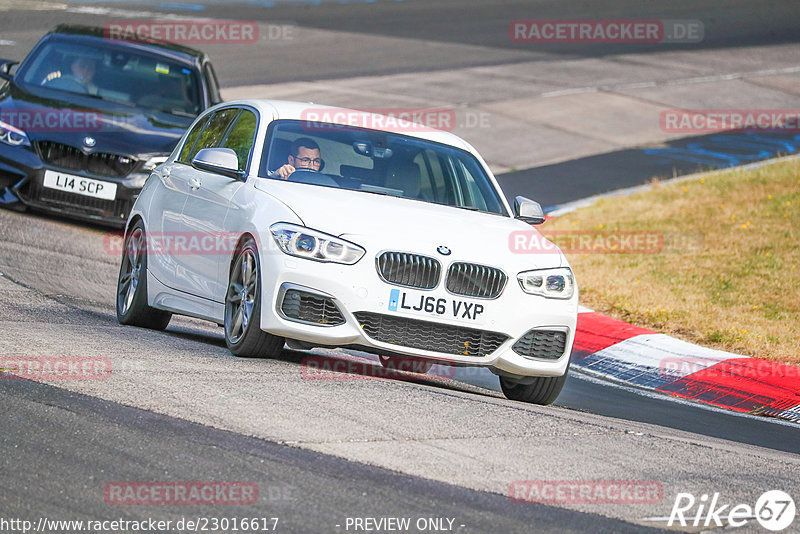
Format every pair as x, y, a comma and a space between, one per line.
5, 67
220, 161
528, 211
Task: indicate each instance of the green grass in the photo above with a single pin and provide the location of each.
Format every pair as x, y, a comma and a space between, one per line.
728, 275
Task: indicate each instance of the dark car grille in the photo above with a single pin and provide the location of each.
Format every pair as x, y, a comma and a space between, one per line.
429, 336
546, 344
311, 308
410, 270
118, 209
473, 280
69, 157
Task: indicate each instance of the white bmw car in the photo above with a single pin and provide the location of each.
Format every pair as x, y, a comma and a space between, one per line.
394, 239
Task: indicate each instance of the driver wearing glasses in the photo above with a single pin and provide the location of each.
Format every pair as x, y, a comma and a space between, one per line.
304, 154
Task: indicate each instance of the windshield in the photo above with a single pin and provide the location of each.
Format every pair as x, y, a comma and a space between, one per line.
378, 162
116, 74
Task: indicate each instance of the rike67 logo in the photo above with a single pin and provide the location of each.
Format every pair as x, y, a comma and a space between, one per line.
774, 510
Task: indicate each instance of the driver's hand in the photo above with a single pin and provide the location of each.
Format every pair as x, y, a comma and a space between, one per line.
285, 171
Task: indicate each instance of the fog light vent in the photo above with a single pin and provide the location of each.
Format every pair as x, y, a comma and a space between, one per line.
545, 344
310, 308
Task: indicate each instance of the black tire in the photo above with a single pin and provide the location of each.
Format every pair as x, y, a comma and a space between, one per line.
406, 363
543, 390
243, 333
132, 308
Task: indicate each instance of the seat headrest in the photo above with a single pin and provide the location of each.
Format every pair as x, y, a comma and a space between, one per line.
405, 176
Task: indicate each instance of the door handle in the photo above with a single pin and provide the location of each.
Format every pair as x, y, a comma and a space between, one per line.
194, 184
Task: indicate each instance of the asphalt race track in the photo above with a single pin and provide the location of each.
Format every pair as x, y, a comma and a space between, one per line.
180, 407
290, 479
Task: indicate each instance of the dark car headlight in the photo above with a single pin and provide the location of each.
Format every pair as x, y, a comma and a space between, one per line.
153, 162
11, 135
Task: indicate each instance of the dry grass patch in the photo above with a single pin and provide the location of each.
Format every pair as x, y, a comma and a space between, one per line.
728, 275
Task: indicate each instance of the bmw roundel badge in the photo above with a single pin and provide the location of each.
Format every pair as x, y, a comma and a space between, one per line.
443, 250
89, 141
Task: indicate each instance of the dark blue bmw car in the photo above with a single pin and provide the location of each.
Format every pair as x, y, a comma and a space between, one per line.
84, 119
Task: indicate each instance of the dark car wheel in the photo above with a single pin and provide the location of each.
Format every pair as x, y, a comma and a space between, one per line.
406, 363
243, 333
132, 308
543, 390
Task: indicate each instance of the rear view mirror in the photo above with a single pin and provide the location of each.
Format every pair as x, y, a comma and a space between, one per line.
5, 68
371, 151
528, 211
218, 160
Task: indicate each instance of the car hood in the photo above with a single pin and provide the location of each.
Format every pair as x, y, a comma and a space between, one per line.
381, 222
50, 115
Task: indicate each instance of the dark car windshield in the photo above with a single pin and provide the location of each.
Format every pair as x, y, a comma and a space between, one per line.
381, 163
114, 73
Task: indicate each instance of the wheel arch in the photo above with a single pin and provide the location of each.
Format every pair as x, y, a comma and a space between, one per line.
132, 221
239, 244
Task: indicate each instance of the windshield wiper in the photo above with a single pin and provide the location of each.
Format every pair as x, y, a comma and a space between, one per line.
90, 95
375, 193
103, 98
473, 208
178, 112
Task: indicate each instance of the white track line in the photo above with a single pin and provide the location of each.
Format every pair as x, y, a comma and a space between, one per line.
667, 83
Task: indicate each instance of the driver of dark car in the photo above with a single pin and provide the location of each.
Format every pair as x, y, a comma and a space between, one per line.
79, 79
304, 154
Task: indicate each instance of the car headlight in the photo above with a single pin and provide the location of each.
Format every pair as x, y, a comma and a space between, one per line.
153, 162
13, 136
136, 181
313, 245
551, 283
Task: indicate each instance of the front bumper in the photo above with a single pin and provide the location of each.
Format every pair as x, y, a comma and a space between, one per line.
22, 177
360, 295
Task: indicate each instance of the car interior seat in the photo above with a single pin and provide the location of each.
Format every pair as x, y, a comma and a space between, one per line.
406, 177
171, 94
